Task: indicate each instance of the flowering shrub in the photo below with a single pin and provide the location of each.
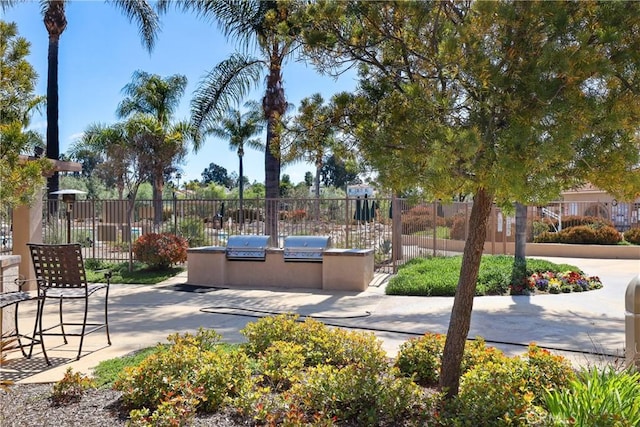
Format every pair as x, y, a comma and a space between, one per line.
159, 251
70, 388
554, 283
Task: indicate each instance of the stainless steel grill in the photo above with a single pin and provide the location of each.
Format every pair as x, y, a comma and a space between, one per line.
305, 248
247, 247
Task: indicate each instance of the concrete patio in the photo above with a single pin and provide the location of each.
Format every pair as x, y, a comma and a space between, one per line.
582, 326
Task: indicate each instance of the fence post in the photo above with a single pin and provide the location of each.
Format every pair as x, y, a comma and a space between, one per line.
347, 222
175, 214
396, 229
435, 225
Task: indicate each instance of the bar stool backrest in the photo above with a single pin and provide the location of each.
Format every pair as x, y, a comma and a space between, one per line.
58, 266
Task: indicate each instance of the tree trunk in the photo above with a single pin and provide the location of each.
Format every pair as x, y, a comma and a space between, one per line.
158, 184
521, 231
463, 303
274, 106
55, 22
519, 270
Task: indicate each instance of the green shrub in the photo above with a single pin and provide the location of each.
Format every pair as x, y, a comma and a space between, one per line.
160, 251
356, 396
320, 344
281, 364
597, 398
547, 237
632, 235
264, 332
421, 358
540, 226
192, 229
546, 372
496, 394
175, 411
511, 391
494, 279
70, 388
192, 370
426, 276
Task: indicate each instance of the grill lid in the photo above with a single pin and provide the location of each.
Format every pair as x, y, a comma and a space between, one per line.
247, 247
305, 248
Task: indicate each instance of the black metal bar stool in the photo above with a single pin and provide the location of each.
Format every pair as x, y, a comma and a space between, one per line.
61, 276
14, 298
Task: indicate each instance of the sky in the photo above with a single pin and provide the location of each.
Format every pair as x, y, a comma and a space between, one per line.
100, 50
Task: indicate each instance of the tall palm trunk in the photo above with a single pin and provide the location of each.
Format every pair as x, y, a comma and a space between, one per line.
55, 23
274, 105
463, 302
241, 187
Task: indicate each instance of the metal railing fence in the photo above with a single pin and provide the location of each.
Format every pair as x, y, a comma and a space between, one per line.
108, 228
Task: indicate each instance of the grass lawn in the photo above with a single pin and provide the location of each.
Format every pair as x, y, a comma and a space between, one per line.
140, 273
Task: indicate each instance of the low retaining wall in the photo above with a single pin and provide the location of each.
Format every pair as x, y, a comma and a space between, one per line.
532, 249
340, 269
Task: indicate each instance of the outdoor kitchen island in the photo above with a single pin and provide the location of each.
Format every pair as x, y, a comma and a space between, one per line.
304, 262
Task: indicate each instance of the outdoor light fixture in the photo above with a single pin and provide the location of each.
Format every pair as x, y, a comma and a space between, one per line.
69, 197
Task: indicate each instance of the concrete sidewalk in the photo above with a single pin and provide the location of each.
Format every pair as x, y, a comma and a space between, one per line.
581, 326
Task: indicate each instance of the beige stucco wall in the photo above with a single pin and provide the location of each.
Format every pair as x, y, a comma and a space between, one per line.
348, 270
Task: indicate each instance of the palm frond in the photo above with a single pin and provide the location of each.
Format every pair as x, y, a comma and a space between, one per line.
152, 94
242, 20
228, 82
145, 16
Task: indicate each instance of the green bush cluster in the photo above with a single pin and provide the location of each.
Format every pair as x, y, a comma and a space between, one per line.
193, 373
356, 394
320, 344
421, 358
511, 391
273, 379
632, 235
192, 230
70, 388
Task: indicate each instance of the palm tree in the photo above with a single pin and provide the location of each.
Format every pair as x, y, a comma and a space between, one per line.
270, 28
156, 99
55, 22
239, 129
